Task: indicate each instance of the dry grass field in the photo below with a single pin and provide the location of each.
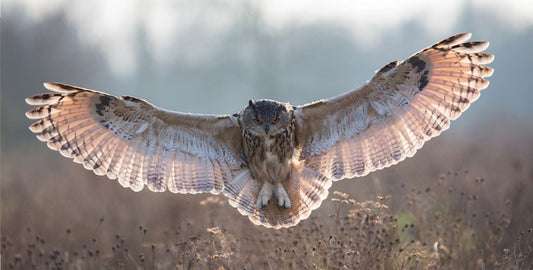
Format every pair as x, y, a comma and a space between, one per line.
463, 202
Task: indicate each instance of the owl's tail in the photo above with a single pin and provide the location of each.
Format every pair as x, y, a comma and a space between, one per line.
306, 189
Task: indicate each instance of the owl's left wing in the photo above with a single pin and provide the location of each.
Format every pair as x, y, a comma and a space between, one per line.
391, 117
137, 143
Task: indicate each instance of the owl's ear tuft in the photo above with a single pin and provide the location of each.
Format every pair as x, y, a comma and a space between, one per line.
251, 103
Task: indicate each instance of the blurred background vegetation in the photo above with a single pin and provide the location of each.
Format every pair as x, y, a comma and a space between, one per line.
211, 56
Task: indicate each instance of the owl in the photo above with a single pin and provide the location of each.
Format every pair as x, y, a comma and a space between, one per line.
274, 161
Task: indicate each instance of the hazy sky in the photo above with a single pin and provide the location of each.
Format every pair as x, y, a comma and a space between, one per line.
164, 22
211, 56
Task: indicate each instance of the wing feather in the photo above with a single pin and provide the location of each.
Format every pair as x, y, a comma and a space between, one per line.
130, 140
391, 117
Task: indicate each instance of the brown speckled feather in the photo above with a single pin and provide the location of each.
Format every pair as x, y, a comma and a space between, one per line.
130, 140
391, 117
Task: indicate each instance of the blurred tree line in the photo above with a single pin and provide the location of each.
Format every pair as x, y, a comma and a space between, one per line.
298, 63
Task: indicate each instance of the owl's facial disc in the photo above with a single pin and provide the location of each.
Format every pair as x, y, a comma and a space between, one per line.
266, 117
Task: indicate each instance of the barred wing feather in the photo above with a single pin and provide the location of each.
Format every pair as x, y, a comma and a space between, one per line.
130, 140
391, 117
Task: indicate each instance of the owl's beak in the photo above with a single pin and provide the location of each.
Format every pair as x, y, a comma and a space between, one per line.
267, 128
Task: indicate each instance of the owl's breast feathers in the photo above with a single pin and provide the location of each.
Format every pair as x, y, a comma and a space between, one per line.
269, 157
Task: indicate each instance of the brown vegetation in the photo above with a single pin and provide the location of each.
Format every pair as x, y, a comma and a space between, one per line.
416, 215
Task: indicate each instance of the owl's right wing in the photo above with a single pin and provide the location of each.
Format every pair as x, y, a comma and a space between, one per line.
137, 143
391, 117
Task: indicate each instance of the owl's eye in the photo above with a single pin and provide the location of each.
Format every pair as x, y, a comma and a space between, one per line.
275, 121
257, 121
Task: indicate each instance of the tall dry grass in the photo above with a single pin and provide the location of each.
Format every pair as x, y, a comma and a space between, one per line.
456, 205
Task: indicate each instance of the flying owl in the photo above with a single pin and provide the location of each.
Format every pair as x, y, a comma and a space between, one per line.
274, 161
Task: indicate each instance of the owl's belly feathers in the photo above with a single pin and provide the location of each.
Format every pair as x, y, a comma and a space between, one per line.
270, 164
269, 161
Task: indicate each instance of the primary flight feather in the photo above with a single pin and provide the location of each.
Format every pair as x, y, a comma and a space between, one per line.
274, 161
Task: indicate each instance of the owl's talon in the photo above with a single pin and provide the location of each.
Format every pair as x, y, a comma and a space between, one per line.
283, 197
284, 202
264, 195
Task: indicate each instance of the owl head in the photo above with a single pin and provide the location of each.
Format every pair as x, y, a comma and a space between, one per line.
266, 117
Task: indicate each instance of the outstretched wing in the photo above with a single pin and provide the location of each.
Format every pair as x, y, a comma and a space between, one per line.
137, 143
392, 116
